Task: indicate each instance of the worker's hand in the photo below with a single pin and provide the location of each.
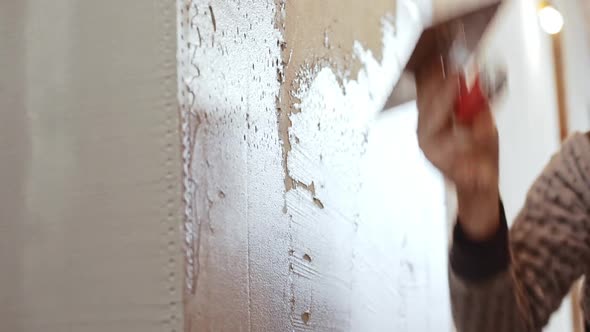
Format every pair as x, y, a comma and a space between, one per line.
465, 154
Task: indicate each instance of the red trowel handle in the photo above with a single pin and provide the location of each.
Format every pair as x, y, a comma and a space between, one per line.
486, 87
470, 101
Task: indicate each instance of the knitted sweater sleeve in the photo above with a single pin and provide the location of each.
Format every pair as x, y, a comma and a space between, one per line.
517, 279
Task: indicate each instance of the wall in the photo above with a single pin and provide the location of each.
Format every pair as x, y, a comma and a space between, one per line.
403, 228
89, 151
299, 212
300, 198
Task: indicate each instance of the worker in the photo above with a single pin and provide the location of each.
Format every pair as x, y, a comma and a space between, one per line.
501, 279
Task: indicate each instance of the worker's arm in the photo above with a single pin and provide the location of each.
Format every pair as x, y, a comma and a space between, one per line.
501, 280
514, 281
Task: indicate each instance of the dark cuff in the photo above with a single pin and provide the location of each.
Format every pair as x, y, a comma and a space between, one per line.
480, 260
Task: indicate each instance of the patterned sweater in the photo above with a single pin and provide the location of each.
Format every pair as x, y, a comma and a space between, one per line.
517, 279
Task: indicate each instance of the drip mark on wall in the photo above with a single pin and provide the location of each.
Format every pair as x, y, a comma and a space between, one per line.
305, 317
213, 19
318, 203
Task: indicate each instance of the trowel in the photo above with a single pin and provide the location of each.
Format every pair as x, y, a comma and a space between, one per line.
452, 31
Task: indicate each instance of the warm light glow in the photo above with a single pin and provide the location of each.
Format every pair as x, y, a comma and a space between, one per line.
550, 19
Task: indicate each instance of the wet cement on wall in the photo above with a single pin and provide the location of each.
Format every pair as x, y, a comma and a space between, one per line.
277, 100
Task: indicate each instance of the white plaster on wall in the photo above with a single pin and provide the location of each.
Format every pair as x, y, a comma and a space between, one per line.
329, 138
260, 258
401, 244
236, 231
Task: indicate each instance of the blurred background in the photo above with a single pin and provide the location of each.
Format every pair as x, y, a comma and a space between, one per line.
548, 97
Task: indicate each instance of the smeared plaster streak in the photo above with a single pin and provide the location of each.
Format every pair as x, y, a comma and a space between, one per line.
325, 137
343, 108
188, 138
189, 128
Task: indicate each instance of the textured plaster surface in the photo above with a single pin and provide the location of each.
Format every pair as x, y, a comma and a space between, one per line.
286, 228
236, 231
